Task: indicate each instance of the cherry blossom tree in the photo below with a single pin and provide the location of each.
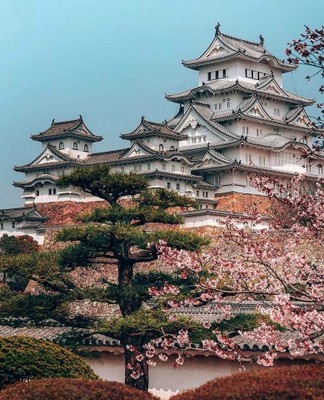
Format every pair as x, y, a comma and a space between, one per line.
309, 50
280, 269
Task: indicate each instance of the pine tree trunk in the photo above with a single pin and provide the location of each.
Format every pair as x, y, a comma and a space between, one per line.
140, 367
128, 304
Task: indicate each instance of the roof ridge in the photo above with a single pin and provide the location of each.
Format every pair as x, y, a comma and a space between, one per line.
108, 152
67, 121
241, 40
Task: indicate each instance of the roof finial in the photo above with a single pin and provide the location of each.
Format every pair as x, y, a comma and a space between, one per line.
53, 120
81, 117
142, 119
217, 28
261, 40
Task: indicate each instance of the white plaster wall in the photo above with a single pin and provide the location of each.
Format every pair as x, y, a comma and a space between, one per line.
39, 237
155, 142
164, 380
68, 143
215, 220
262, 67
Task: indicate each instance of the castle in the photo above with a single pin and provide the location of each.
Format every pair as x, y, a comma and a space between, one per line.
238, 121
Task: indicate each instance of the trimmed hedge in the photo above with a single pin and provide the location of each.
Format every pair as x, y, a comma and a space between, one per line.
24, 358
72, 389
298, 382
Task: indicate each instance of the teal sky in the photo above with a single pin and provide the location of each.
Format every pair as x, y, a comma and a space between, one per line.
114, 61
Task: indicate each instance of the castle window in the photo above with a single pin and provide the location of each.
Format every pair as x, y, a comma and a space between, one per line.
262, 160
50, 191
209, 76
182, 169
54, 191
122, 169
222, 73
1, 225
168, 185
197, 193
37, 192
148, 166
86, 148
61, 146
173, 168
178, 186
248, 158
206, 194
163, 166
161, 148
75, 146
171, 147
259, 132
276, 111
13, 224
245, 130
320, 169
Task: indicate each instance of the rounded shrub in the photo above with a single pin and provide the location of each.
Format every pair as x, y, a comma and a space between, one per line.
23, 358
72, 389
298, 382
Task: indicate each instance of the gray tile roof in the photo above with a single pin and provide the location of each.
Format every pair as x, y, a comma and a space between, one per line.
74, 128
105, 157
64, 160
149, 128
43, 177
219, 85
21, 214
44, 332
234, 48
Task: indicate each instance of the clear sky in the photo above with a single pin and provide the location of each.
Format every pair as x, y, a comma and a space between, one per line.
114, 60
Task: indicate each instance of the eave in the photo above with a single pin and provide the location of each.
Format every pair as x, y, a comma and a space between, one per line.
197, 63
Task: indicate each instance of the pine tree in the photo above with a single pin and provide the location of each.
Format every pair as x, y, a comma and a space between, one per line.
125, 231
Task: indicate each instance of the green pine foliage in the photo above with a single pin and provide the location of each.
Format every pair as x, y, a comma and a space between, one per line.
24, 358
72, 389
145, 325
298, 382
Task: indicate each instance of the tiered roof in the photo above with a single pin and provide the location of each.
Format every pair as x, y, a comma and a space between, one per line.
224, 47
266, 87
74, 128
148, 129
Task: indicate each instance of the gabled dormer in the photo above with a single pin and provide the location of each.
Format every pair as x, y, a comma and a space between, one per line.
199, 128
138, 149
298, 117
69, 135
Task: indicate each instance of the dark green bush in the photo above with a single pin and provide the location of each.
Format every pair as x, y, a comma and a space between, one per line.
23, 358
72, 389
298, 382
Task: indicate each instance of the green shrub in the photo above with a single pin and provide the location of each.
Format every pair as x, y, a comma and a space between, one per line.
72, 389
23, 358
298, 382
